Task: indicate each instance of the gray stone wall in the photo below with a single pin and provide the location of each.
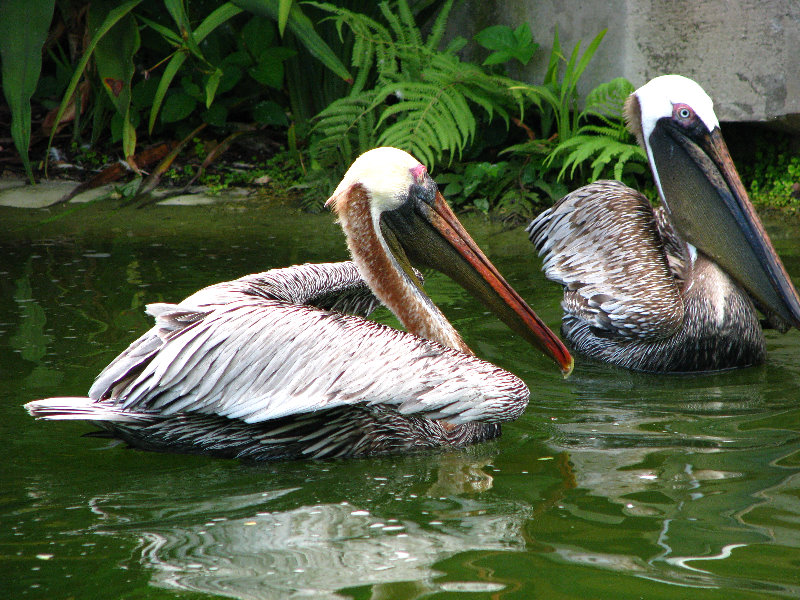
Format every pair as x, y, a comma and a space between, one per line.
745, 53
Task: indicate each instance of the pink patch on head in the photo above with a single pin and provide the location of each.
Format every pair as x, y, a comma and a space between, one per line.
419, 172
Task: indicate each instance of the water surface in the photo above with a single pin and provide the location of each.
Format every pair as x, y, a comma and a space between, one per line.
612, 485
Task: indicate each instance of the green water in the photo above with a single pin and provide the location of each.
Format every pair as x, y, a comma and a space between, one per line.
612, 485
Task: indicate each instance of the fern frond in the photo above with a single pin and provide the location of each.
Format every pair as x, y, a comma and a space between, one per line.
439, 27
608, 99
404, 26
344, 129
431, 113
373, 43
434, 96
606, 151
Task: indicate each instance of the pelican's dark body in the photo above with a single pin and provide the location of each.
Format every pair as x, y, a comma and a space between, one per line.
696, 318
673, 289
703, 343
354, 432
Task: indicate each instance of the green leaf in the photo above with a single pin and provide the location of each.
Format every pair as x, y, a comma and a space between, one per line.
21, 54
212, 83
258, 35
283, 15
143, 92
114, 59
302, 27
508, 43
177, 106
496, 37
270, 113
118, 128
231, 75
128, 135
268, 69
221, 15
165, 32
216, 115
268, 73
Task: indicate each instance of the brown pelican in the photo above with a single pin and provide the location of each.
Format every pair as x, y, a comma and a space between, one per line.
675, 288
269, 366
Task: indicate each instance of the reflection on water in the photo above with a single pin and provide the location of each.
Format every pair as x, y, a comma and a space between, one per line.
687, 456
239, 547
612, 484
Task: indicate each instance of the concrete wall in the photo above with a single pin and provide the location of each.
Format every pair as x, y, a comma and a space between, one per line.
745, 53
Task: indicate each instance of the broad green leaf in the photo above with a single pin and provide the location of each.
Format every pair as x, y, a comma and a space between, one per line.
113, 17
177, 106
270, 113
258, 35
114, 59
496, 37
268, 69
21, 54
231, 75
303, 28
269, 73
221, 15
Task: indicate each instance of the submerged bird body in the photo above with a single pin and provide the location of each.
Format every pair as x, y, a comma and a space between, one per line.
676, 288
283, 364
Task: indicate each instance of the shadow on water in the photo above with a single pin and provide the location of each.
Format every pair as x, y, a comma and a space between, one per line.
613, 484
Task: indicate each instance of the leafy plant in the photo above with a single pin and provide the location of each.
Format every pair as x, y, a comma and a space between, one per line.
407, 92
507, 44
604, 139
112, 31
568, 137
20, 48
557, 96
772, 171
511, 189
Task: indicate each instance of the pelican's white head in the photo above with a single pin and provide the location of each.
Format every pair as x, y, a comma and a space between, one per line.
386, 174
659, 97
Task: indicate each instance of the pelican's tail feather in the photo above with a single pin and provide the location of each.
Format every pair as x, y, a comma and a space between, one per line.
83, 409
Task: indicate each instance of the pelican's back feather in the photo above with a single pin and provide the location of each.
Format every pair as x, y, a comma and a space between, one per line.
603, 244
331, 286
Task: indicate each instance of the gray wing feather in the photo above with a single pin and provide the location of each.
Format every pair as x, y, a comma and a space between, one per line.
603, 244
258, 356
334, 286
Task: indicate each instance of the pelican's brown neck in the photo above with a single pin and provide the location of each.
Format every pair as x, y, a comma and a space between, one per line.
370, 253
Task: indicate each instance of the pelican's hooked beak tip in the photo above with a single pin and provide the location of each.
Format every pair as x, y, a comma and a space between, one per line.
566, 370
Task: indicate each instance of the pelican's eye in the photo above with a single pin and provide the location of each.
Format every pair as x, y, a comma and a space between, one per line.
683, 113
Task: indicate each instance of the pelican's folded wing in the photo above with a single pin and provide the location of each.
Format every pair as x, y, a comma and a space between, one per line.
332, 286
255, 358
602, 243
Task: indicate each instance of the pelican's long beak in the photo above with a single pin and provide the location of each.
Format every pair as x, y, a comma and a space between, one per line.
709, 205
432, 236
